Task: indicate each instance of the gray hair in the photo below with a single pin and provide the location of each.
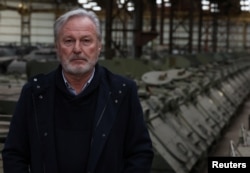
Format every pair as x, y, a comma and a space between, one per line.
77, 12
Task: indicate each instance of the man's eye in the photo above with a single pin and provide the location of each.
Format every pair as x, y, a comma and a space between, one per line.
86, 40
68, 42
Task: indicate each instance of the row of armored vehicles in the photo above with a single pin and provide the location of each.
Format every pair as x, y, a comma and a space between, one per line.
187, 99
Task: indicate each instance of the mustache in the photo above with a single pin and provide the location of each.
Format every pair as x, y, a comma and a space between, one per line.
78, 57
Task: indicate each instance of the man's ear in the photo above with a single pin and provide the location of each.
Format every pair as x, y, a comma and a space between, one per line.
100, 47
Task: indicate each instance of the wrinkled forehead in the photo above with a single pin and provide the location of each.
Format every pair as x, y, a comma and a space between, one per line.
79, 22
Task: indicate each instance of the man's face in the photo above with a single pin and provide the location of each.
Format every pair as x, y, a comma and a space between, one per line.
77, 46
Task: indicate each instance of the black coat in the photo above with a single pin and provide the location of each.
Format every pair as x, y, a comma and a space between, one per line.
120, 142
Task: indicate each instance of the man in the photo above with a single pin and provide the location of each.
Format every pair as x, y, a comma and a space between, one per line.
80, 118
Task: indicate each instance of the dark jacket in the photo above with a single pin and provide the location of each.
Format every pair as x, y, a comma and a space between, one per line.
120, 141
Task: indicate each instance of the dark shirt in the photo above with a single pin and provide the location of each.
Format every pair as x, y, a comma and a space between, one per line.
74, 115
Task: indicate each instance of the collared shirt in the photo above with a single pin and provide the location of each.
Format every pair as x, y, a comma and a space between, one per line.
71, 89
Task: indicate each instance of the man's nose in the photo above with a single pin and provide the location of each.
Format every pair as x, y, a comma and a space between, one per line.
77, 47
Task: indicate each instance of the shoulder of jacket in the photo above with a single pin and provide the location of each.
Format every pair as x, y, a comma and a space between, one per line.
40, 81
116, 79
118, 84
36, 78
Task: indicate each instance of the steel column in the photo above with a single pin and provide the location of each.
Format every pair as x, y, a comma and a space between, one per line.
138, 22
25, 12
108, 29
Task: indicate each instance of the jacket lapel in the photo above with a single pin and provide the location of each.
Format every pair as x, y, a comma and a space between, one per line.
44, 103
105, 115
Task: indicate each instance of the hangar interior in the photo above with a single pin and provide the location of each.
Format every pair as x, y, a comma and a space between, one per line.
189, 58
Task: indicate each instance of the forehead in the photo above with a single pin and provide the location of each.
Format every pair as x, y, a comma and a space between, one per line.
79, 23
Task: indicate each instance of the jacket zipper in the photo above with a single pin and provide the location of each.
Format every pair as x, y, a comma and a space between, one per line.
100, 118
